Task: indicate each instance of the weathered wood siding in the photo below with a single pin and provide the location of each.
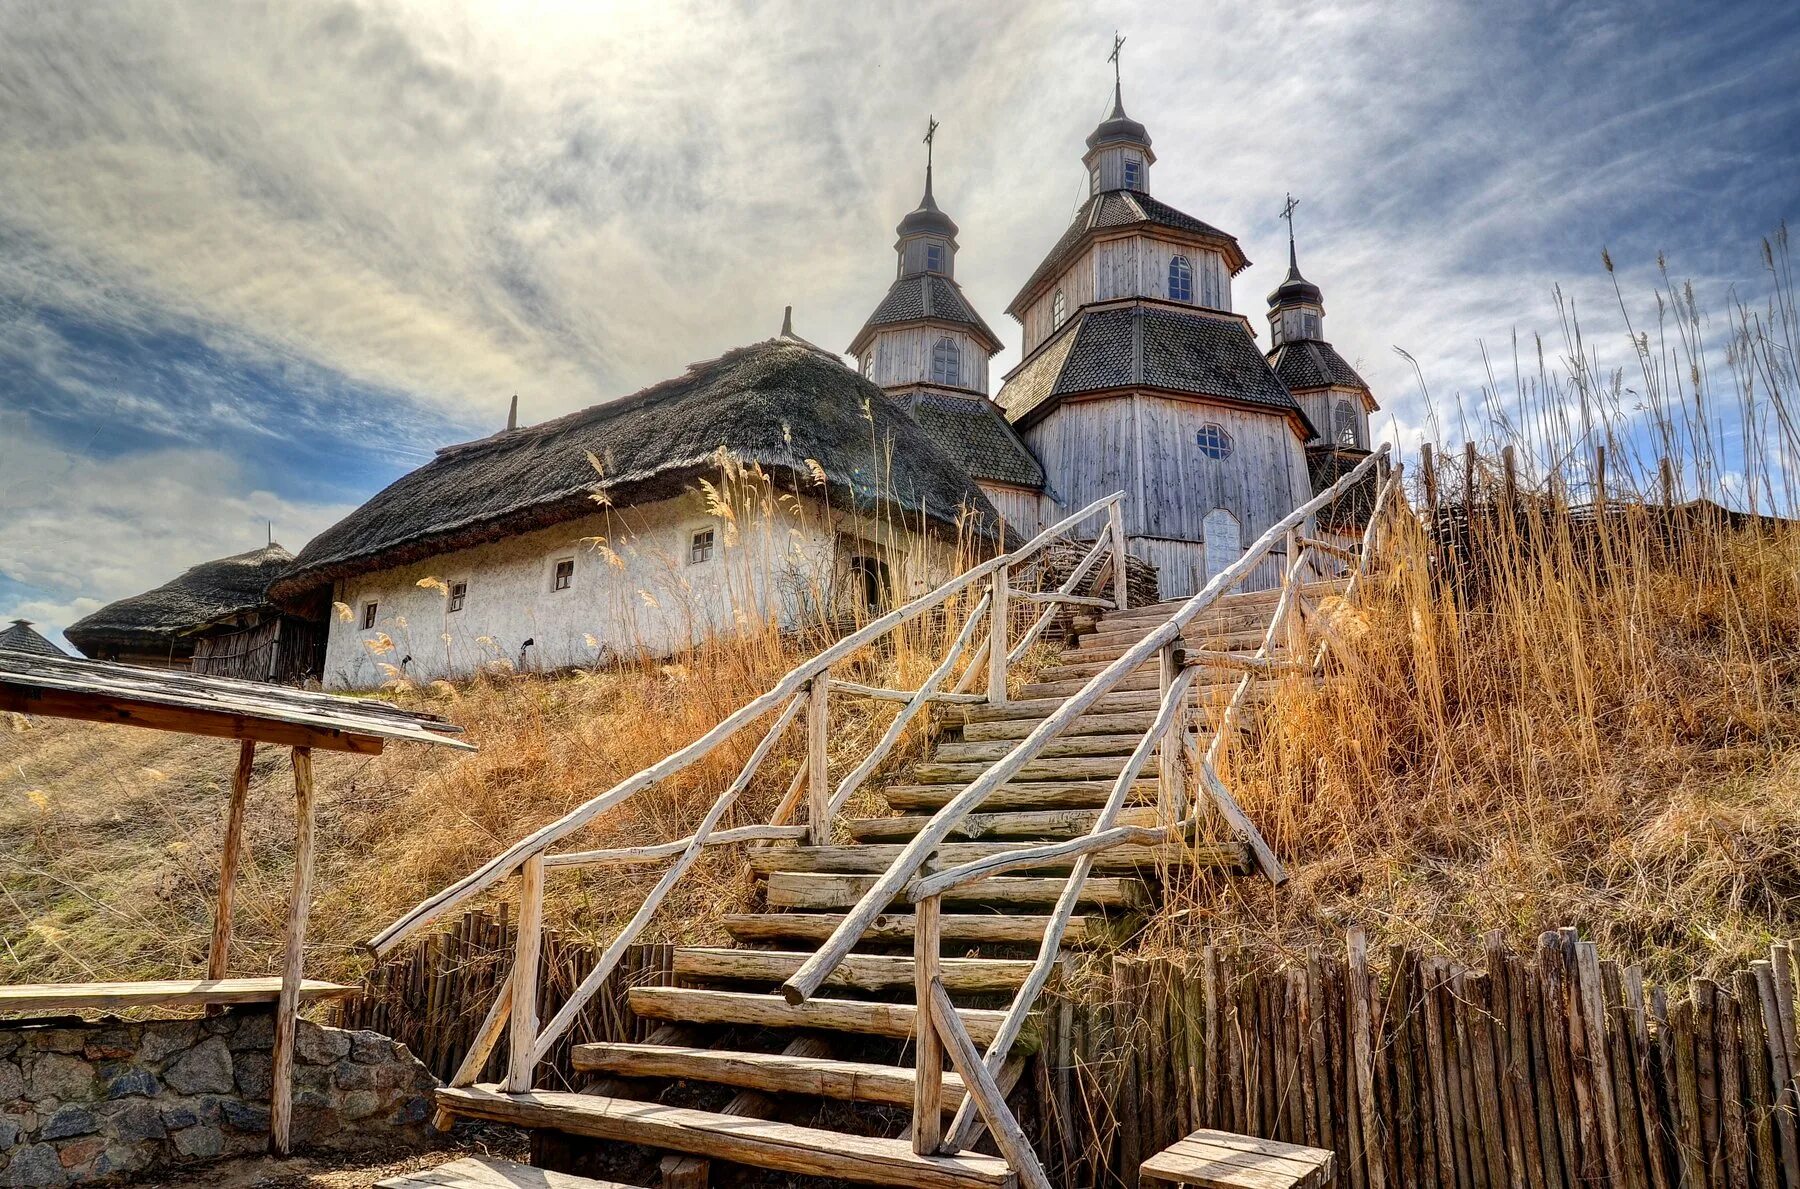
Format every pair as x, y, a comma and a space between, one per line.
1106, 168
903, 356
1146, 446
1020, 508
912, 255
1127, 266
1322, 408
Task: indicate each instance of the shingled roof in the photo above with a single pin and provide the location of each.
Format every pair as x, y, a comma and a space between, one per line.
973, 431
204, 595
779, 403
1111, 210
1313, 363
1147, 344
923, 296
22, 637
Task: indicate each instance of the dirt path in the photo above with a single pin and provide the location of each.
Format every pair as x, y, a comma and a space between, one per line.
340, 1170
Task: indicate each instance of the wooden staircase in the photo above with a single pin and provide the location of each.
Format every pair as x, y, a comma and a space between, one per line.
928, 930
732, 1025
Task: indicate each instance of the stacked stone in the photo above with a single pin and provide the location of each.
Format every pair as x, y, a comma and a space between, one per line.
85, 1102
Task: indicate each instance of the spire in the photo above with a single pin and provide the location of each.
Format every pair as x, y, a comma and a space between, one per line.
926, 218
1117, 127
927, 203
1294, 288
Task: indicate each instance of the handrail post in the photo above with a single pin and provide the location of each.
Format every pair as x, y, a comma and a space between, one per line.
1115, 527
928, 1046
527, 949
997, 638
1171, 784
818, 780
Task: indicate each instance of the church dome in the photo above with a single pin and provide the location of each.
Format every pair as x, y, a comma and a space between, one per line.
1118, 128
1295, 288
927, 219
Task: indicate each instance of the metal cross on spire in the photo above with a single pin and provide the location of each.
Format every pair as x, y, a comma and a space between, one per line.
930, 135
1118, 44
1287, 212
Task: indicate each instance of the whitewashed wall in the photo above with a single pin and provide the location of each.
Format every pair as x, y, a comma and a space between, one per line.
634, 590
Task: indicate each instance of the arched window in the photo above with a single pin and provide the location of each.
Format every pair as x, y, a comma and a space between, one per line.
1059, 309
1213, 441
868, 363
1344, 427
1181, 279
946, 363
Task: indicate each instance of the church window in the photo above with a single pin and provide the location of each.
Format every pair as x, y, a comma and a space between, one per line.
946, 363
1309, 325
1213, 441
1134, 174
1059, 310
700, 547
369, 610
1181, 279
459, 593
1344, 425
934, 257
563, 576
868, 363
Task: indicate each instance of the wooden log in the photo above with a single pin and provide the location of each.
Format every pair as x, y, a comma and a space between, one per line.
818, 775
999, 638
1057, 596
522, 1033
1301, 1002
287, 1008
1213, 1052
808, 980
1508, 1079
1194, 1018
1318, 1041
688, 1171
1623, 1064
1127, 1014
1437, 1066
879, 694
952, 878
1557, 1088
1755, 1054
1644, 1073
1156, 1054
1593, 1015
1732, 1121
1477, 992
1706, 1064
218, 957
1690, 1145
1171, 782
1115, 530
897, 1021
1777, 999
1362, 1045
928, 1045
979, 1085
624, 856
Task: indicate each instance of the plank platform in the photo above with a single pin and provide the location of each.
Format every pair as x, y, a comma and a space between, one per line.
806, 1150
492, 1172
1224, 1160
849, 1081
41, 997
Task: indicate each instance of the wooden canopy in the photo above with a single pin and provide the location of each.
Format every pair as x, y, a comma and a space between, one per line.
94, 691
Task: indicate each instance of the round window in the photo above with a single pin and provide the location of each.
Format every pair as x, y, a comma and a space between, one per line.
1213, 441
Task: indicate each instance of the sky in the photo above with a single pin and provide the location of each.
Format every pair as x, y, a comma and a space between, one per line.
259, 260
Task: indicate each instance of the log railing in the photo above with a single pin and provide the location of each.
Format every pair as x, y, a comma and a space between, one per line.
804, 692
939, 1032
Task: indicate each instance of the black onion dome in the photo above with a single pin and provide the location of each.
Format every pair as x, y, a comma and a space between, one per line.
1294, 287
1118, 128
927, 219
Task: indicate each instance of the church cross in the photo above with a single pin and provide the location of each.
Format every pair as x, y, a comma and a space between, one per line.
1118, 44
1287, 212
930, 135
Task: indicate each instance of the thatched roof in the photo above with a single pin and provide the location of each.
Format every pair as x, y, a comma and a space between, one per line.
204, 595
22, 637
781, 403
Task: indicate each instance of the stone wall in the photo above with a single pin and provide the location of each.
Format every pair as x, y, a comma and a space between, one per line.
85, 1102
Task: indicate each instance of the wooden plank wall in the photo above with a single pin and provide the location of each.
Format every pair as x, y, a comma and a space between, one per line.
1548, 1070
432, 995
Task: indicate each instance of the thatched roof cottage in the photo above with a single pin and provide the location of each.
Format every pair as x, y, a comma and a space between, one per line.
771, 483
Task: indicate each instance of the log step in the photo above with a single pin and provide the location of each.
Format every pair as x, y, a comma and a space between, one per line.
807, 890
756, 1009
1073, 746
1065, 768
1084, 666
762, 1143
865, 972
1239, 601
1039, 708
875, 858
1134, 723
1107, 634
1031, 823
1040, 794
1061, 690
772, 1073
978, 928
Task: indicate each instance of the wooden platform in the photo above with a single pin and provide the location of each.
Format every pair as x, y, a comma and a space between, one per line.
43, 997
491, 1172
1224, 1160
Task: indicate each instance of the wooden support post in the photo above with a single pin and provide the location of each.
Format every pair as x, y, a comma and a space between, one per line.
1171, 784
1666, 473
287, 1008
487, 1035
980, 1087
928, 1046
1428, 472
1600, 478
1115, 527
218, 958
527, 949
1509, 481
998, 645
818, 775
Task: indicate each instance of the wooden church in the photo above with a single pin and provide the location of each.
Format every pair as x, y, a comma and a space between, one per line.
1136, 376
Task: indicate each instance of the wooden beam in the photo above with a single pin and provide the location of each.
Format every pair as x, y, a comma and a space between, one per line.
217, 724
33, 998
522, 1030
1115, 528
218, 957
998, 645
856, 689
818, 770
487, 1035
944, 882
626, 855
928, 1048
980, 1088
1057, 596
287, 1007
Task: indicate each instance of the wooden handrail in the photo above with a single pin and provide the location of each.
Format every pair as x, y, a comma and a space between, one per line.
1101, 546
948, 880
805, 981
1392, 484
625, 855
540, 840
858, 690
1284, 607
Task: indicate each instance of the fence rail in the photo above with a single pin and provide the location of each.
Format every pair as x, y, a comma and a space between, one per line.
1544, 1070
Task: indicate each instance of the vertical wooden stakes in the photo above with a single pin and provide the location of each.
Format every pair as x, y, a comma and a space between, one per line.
999, 642
281, 1064
1171, 784
818, 774
218, 958
1115, 527
522, 1033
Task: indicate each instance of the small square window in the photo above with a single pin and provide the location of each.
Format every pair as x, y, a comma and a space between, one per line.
368, 620
700, 548
458, 592
1134, 173
934, 257
564, 576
